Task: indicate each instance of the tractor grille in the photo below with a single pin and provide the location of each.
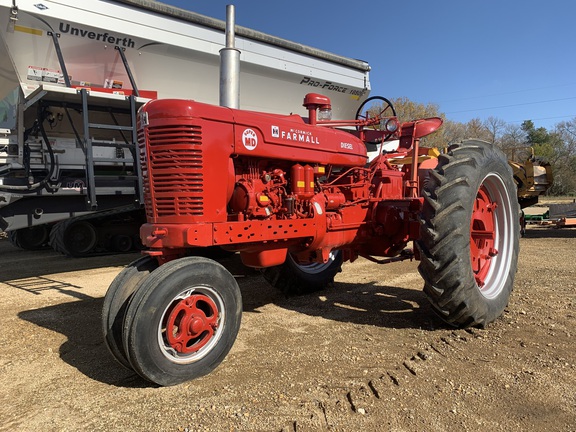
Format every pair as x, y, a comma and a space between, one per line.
173, 171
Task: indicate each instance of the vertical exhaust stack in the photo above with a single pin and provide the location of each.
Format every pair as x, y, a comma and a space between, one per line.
230, 65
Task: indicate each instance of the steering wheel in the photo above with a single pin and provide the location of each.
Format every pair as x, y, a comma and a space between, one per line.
386, 109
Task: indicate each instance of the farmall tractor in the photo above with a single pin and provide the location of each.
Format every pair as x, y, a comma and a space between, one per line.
296, 197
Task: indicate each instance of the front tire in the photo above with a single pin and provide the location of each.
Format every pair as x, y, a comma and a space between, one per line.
116, 301
469, 235
182, 321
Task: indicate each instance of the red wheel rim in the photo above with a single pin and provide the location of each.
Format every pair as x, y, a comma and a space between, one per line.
191, 323
482, 235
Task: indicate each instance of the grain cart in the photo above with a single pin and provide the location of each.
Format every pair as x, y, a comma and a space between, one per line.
73, 76
295, 197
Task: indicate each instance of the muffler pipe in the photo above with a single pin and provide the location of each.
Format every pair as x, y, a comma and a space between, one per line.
230, 65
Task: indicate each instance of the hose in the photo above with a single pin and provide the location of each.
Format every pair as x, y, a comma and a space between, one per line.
44, 183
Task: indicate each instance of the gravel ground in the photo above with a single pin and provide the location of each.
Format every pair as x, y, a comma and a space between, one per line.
368, 354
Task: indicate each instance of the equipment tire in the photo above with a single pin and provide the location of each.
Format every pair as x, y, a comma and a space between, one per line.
292, 278
122, 243
74, 238
31, 238
193, 293
469, 247
116, 301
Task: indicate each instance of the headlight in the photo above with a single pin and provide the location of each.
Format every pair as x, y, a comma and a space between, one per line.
391, 125
324, 114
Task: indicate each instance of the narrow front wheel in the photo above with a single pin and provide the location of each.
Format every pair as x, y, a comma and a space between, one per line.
182, 321
116, 301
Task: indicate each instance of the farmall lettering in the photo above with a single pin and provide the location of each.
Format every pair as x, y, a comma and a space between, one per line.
299, 136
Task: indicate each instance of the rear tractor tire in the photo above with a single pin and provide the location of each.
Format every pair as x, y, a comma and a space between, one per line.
469, 235
182, 321
293, 278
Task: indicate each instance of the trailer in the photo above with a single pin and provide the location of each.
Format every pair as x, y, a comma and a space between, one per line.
74, 76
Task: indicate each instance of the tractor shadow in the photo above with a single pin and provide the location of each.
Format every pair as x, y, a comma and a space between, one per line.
363, 304
84, 349
369, 303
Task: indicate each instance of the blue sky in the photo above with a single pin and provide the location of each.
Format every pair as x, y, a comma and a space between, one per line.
510, 59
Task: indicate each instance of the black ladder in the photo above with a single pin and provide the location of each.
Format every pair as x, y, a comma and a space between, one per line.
90, 143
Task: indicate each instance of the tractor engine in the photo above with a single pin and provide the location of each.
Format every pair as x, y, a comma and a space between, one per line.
264, 185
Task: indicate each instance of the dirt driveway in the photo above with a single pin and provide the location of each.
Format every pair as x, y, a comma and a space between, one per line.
366, 355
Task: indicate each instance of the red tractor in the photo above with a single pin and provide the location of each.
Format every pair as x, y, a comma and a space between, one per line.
296, 197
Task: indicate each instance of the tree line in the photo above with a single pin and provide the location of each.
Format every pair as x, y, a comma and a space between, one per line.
556, 146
